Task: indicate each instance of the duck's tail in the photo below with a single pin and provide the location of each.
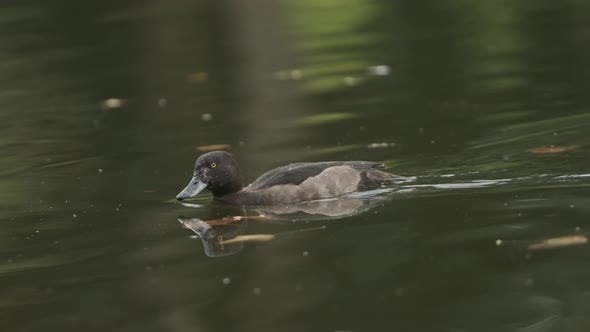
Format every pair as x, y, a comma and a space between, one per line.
374, 179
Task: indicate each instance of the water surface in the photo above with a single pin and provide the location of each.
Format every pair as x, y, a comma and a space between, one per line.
104, 108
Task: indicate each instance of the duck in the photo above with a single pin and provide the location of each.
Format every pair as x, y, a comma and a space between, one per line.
218, 172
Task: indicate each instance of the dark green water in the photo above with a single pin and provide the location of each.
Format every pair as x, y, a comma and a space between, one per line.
486, 103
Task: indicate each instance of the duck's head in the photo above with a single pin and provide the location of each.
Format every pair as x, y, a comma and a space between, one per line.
217, 171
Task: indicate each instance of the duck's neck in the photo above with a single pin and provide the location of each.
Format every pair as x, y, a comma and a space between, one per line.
227, 188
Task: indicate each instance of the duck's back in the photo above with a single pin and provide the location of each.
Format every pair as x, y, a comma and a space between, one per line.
311, 181
298, 172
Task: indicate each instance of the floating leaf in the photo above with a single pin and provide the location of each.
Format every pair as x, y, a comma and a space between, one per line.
113, 103
552, 149
379, 70
559, 242
197, 77
250, 238
213, 147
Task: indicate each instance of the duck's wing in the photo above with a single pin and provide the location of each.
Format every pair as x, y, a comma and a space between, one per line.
299, 172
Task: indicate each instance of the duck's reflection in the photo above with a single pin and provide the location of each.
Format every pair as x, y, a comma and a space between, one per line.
318, 210
223, 237
214, 234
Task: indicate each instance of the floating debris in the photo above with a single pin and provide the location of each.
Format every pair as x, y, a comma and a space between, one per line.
162, 102
381, 145
379, 70
198, 77
223, 221
552, 149
249, 238
113, 103
559, 242
226, 281
206, 117
212, 147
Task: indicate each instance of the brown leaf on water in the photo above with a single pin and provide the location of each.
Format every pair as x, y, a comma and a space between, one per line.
552, 149
198, 77
213, 147
250, 238
223, 221
559, 242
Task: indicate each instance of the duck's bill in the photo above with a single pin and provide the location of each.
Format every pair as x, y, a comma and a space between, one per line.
194, 187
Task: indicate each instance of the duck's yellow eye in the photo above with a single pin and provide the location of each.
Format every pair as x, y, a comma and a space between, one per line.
213, 165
